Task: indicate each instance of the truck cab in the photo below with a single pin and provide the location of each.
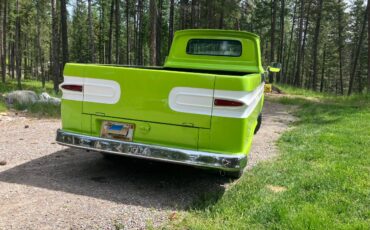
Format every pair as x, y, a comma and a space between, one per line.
200, 109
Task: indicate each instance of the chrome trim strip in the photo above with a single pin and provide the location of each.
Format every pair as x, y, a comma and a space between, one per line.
179, 156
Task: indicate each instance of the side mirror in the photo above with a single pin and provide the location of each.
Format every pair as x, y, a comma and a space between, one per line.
275, 67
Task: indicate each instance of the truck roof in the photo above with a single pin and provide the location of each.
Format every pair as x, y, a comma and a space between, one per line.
218, 32
246, 59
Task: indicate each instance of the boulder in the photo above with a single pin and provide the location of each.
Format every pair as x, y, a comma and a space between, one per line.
46, 98
27, 97
22, 97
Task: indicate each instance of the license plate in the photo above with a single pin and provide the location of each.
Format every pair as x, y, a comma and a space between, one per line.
117, 131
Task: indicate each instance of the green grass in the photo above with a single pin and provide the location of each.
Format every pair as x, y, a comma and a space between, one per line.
40, 109
27, 85
2, 106
301, 92
324, 165
37, 109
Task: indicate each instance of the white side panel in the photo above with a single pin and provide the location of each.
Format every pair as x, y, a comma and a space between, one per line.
200, 101
250, 99
94, 90
101, 91
72, 95
191, 100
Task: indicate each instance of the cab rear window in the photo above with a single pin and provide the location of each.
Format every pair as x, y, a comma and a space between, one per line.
214, 47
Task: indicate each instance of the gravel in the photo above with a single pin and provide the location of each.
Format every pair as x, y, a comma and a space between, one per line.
46, 186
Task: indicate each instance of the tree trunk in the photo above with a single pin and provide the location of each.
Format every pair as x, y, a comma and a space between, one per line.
64, 31
357, 54
159, 33
304, 44
17, 49
110, 39
368, 46
38, 40
102, 32
127, 33
140, 34
315, 45
299, 54
280, 75
118, 31
272, 38
170, 24
340, 49
323, 69
135, 38
184, 4
1, 35
153, 30
193, 14
288, 78
54, 45
12, 59
221, 23
3, 63
91, 32
272, 33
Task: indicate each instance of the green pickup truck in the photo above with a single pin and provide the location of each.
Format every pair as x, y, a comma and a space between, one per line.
201, 108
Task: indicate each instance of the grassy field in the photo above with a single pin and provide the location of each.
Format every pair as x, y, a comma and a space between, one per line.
35, 109
321, 180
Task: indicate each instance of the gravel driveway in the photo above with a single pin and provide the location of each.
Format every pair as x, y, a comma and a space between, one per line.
47, 186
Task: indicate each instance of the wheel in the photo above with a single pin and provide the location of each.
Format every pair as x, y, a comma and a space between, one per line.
234, 174
259, 122
109, 156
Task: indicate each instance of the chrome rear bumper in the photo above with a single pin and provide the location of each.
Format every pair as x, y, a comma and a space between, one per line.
173, 155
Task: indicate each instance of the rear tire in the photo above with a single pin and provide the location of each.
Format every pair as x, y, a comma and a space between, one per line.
259, 122
234, 175
109, 156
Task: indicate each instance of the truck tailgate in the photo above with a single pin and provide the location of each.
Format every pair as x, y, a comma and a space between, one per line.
140, 94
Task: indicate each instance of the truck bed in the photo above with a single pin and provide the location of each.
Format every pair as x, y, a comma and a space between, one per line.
216, 72
166, 106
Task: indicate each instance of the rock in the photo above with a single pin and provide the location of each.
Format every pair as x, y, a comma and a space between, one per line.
26, 126
46, 98
22, 97
2, 163
27, 97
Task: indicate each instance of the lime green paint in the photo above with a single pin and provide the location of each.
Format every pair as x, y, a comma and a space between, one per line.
229, 135
154, 133
144, 94
86, 124
71, 114
232, 135
249, 61
75, 70
144, 97
238, 83
273, 69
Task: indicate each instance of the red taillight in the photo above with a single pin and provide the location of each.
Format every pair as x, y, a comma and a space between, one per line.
77, 88
225, 102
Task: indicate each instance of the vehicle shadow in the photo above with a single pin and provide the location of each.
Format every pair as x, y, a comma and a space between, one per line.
120, 179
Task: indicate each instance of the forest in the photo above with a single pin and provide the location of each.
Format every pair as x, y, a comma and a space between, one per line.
322, 45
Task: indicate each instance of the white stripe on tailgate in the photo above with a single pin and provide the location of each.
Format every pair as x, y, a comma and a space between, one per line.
101, 91
200, 101
94, 90
191, 100
72, 95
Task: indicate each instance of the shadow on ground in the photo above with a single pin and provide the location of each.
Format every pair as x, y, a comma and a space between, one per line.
121, 180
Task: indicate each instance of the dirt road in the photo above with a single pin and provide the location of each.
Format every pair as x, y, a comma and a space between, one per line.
47, 186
